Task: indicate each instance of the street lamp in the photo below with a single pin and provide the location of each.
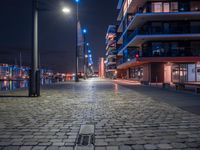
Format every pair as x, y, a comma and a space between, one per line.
66, 11
84, 51
34, 83
77, 19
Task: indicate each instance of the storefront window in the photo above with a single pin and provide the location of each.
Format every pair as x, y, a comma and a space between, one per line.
136, 73
183, 73
175, 73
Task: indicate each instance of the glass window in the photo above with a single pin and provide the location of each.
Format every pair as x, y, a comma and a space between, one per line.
174, 48
175, 73
195, 48
184, 6
195, 6
174, 6
183, 72
157, 48
165, 7
157, 7
195, 27
156, 27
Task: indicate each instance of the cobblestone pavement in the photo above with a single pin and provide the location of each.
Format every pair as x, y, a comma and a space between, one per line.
124, 119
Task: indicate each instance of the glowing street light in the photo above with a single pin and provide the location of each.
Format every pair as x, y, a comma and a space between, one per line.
84, 49
84, 31
66, 10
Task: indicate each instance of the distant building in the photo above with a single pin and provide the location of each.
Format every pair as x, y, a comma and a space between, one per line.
159, 41
101, 68
111, 54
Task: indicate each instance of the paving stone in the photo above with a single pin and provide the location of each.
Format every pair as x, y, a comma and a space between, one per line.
112, 148
125, 147
11, 148
100, 148
52, 148
164, 146
39, 148
25, 148
150, 147
118, 115
179, 145
87, 129
138, 147
66, 148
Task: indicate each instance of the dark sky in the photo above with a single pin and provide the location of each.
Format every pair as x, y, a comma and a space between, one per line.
56, 30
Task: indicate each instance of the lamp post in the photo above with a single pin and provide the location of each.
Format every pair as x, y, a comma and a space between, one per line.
77, 19
66, 11
84, 51
34, 85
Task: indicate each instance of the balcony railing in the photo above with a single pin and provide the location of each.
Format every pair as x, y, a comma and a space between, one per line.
139, 31
181, 52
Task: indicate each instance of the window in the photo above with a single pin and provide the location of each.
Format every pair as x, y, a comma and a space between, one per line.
195, 6
157, 7
195, 48
156, 27
165, 7
184, 6
157, 48
174, 48
195, 27
174, 6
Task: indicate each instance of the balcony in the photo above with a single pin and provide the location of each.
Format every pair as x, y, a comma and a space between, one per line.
111, 52
180, 55
139, 36
141, 18
162, 6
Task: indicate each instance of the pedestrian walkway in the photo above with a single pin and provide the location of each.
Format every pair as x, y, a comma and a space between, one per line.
120, 119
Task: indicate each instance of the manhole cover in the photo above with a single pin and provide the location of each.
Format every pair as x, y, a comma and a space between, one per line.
85, 140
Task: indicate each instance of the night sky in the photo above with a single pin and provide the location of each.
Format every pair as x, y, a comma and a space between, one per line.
56, 30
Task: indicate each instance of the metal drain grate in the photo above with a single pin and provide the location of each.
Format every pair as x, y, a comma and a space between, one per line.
85, 140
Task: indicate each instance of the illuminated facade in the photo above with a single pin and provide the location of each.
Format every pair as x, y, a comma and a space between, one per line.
111, 52
159, 41
101, 68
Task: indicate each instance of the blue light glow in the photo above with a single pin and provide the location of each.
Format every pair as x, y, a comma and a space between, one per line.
84, 31
77, 1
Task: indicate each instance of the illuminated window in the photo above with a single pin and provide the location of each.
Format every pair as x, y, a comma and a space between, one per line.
165, 7
174, 6
157, 7
195, 6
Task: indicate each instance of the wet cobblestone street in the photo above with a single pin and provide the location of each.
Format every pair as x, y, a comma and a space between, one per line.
123, 119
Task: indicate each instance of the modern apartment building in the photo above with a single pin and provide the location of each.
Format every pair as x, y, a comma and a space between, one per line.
111, 52
159, 40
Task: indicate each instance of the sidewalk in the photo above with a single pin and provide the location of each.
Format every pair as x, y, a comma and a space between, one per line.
123, 119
